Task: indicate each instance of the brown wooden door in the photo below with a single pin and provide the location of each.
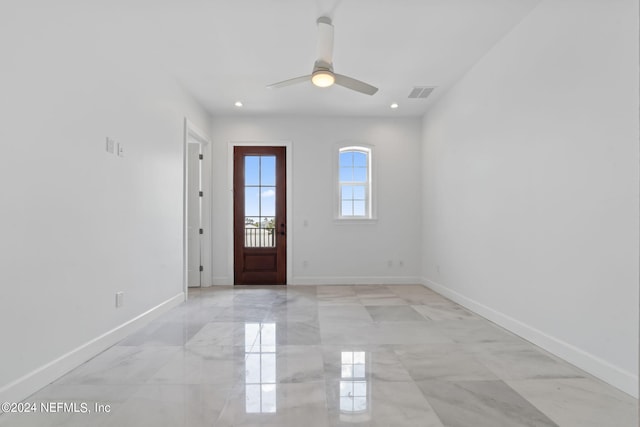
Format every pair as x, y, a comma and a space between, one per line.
260, 217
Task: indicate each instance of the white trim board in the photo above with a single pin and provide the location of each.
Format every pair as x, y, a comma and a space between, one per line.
222, 281
356, 280
619, 378
192, 134
35, 380
336, 280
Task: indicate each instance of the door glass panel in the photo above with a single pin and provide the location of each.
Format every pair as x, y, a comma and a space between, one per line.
267, 230
252, 232
268, 201
252, 170
251, 201
268, 170
260, 201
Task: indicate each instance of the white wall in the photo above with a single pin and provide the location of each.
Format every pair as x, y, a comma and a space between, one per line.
334, 253
79, 224
531, 185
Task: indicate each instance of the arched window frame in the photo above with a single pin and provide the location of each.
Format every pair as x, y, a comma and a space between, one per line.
370, 206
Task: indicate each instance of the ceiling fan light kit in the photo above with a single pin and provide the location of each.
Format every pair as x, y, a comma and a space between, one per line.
323, 75
323, 78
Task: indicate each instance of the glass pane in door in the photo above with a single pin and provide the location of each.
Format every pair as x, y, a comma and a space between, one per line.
260, 201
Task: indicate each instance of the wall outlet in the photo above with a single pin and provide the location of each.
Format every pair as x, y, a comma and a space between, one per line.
120, 149
305, 263
389, 263
401, 263
119, 299
110, 145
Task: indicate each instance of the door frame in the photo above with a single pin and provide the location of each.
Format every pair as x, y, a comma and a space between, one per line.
193, 161
192, 134
289, 168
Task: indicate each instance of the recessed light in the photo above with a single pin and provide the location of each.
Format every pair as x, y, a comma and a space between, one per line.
238, 104
394, 105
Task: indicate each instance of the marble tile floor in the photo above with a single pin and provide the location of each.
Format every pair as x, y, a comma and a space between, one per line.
327, 356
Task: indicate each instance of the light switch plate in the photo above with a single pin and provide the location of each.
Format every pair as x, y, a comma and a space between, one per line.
120, 149
119, 299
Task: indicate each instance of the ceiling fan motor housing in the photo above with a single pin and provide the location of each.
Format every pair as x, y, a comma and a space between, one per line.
320, 65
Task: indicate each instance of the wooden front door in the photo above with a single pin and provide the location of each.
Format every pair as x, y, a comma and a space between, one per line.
260, 217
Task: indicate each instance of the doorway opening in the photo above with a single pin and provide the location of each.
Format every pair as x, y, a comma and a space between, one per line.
195, 228
197, 209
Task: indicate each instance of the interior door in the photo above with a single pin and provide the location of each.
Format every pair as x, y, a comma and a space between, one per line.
260, 220
194, 216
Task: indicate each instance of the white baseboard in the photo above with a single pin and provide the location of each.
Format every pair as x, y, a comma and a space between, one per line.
617, 377
355, 280
221, 281
335, 280
28, 384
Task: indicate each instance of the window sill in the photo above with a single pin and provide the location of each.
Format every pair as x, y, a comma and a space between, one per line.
354, 221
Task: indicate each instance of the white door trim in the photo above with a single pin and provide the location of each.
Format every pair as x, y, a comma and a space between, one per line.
194, 214
192, 134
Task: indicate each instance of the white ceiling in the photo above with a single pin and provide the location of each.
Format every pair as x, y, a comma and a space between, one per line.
223, 51
391, 44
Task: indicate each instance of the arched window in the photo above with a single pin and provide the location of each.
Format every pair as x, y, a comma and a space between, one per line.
354, 183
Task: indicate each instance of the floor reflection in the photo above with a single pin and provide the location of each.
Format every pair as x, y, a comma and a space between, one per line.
260, 368
354, 387
321, 374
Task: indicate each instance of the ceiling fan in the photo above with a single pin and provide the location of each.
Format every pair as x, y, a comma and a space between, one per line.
323, 75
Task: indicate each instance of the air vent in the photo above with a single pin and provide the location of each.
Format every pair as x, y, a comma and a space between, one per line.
421, 91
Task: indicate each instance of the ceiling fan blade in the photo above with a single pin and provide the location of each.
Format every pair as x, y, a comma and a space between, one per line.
325, 41
289, 82
357, 85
